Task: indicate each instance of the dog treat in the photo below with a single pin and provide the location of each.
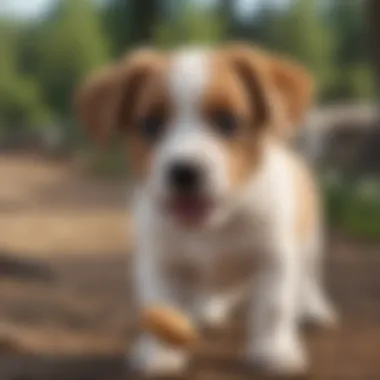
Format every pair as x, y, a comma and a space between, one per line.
169, 325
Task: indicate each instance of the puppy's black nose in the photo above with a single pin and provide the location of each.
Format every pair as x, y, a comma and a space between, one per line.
184, 176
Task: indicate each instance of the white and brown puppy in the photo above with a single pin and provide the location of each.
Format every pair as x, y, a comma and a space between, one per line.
205, 130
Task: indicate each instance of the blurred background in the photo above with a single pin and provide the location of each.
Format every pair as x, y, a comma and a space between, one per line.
64, 235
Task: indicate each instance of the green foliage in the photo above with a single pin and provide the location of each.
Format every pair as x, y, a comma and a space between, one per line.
361, 81
68, 46
116, 20
349, 25
303, 34
330, 38
354, 207
362, 217
133, 22
21, 103
354, 81
193, 25
42, 62
352, 68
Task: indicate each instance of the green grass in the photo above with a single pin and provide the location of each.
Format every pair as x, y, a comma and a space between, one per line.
354, 207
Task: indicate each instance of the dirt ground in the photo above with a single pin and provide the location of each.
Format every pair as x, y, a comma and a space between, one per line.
65, 310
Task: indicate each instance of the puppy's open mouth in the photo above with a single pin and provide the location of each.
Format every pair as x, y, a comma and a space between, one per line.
189, 209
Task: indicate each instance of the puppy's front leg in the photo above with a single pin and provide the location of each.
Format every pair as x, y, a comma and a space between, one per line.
151, 356
274, 332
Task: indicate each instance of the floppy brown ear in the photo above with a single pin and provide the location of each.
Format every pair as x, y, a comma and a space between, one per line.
106, 95
281, 90
295, 88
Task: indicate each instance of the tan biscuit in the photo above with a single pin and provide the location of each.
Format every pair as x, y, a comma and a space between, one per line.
169, 325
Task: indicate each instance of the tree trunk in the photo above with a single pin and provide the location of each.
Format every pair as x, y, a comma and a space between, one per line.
373, 15
144, 17
227, 11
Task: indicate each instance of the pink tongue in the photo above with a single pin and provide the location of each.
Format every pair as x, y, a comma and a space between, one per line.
190, 208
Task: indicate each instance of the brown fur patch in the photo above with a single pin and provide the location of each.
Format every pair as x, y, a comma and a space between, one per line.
95, 102
282, 89
295, 87
230, 92
115, 97
153, 98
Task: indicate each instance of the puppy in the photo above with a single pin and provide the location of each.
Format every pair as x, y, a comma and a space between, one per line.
206, 133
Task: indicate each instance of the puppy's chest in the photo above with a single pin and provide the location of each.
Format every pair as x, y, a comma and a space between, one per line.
221, 259
241, 237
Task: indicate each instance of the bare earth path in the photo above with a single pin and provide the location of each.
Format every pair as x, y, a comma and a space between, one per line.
65, 311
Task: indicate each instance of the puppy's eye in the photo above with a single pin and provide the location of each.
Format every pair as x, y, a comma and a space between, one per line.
226, 122
152, 127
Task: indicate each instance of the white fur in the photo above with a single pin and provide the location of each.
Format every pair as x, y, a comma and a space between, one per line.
190, 137
260, 219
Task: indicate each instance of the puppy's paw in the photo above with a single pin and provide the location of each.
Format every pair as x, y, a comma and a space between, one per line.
280, 357
167, 362
154, 359
320, 313
214, 313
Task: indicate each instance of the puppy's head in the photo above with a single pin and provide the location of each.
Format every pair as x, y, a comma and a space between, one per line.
194, 121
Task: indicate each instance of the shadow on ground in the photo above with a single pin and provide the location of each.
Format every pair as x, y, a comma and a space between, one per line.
80, 325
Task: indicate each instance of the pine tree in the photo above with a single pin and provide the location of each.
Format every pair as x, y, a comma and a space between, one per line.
68, 46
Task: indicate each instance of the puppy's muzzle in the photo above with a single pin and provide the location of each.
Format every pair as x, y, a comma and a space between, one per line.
185, 177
